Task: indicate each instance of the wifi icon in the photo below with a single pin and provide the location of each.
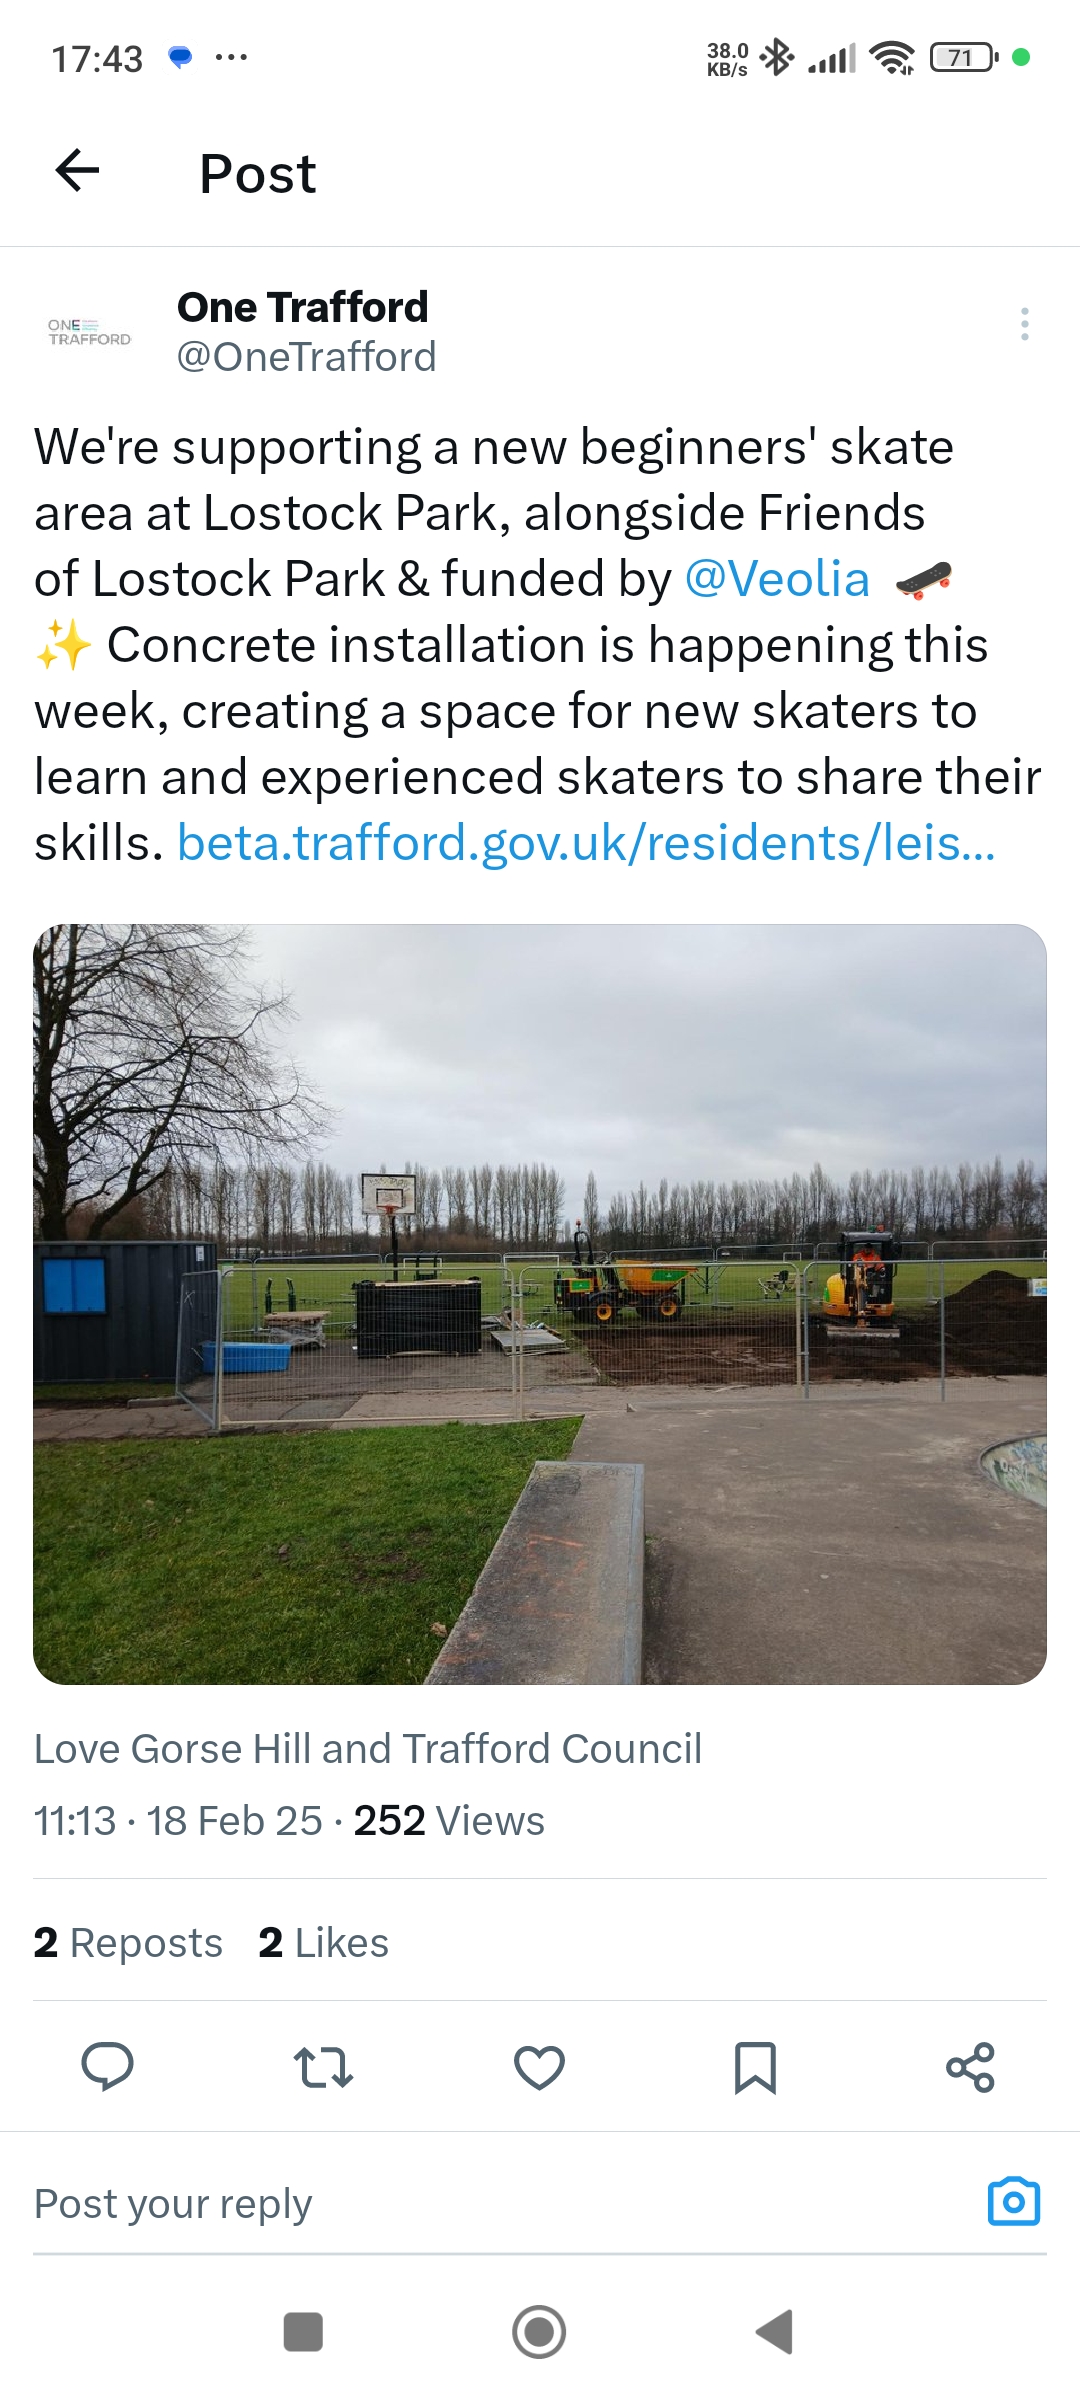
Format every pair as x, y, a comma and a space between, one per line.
893, 56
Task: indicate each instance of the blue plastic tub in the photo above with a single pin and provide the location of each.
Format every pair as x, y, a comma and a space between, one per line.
247, 1358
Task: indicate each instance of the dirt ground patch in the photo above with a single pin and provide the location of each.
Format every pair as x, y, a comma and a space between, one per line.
992, 1327
691, 1351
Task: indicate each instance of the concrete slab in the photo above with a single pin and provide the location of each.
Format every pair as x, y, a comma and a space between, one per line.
527, 1337
429, 1408
465, 1408
149, 1421
849, 1538
560, 1599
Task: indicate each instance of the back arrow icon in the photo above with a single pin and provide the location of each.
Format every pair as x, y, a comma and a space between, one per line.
69, 170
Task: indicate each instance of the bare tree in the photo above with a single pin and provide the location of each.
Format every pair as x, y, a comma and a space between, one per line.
324, 1203
554, 1202
1022, 1198
989, 1195
264, 1200
264, 1193
616, 1217
286, 1203
149, 1046
662, 1211
308, 1192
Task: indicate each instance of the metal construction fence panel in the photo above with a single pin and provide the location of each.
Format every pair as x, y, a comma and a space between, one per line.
340, 1341
666, 1321
196, 1341
942, 1319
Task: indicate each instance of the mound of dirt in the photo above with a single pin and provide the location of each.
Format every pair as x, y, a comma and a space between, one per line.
994, 1290
994, 1327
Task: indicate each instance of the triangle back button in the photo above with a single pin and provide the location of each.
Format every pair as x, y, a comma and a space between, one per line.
778, 2331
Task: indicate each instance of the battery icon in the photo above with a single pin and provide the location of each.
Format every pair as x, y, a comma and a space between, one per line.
962, 58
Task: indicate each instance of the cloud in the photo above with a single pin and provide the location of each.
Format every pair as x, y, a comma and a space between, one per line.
685, 1051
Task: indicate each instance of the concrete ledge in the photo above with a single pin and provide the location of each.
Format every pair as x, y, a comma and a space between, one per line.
560, 1599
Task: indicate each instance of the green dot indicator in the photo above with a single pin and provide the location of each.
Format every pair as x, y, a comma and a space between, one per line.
1021, 58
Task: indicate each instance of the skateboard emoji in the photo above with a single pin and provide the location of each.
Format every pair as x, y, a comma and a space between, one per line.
916, 584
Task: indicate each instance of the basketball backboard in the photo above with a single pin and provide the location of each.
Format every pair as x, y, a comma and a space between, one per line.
385, 1191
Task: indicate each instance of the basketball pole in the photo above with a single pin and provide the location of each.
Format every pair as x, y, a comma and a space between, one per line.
392, 1214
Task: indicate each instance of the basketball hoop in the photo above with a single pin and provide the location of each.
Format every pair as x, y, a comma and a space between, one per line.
384, 1195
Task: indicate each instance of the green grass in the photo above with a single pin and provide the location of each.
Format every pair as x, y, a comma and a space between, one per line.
730, 1282
307, 1558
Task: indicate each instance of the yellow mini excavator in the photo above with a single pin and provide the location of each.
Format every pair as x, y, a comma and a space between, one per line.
857, 1303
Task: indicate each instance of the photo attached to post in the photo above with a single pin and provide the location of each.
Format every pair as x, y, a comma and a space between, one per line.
539, 1304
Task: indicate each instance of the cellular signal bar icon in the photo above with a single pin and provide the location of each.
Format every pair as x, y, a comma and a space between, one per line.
839, 62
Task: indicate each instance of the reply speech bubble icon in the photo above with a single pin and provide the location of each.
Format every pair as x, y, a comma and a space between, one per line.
109, 2054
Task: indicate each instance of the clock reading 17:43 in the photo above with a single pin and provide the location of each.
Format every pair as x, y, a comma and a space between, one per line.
73, 57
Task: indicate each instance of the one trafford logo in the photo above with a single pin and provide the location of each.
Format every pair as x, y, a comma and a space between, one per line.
76, 333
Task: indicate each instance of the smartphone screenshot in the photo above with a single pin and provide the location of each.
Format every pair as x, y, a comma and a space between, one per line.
538, 1716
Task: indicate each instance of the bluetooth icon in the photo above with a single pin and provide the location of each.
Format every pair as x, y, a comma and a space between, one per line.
777, 56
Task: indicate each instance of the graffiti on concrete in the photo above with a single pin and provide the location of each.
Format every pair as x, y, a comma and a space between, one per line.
1020, 1467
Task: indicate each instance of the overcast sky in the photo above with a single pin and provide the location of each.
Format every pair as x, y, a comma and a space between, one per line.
658, 1050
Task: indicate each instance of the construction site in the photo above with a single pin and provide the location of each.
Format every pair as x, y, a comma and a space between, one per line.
319, 1340
990, 1327
738, 1469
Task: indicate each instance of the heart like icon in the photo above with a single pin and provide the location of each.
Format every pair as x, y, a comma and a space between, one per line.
539, 2067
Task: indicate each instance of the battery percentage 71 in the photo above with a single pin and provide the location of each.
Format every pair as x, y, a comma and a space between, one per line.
962, 58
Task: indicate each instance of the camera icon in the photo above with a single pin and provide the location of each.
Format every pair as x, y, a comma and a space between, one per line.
1013, 2201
